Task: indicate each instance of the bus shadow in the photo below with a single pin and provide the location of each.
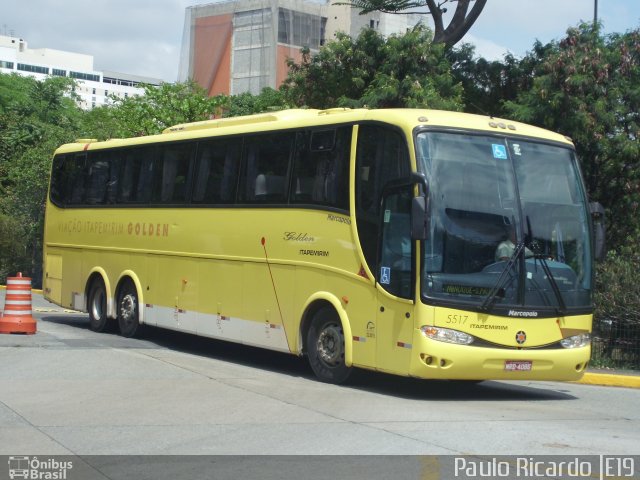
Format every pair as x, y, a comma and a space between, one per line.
293, 366
188, 343
458, 390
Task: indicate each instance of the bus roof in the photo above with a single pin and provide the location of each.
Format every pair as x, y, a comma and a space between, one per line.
407, 119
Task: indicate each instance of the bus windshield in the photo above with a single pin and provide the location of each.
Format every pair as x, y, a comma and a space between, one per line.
508, 224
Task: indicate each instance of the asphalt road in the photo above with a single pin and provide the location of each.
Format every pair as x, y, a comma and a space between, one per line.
70, 391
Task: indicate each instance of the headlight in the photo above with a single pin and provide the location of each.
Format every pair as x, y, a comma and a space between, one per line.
446, 335
576, 341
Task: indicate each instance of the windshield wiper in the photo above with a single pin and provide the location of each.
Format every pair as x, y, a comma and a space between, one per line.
562, 308
492, 296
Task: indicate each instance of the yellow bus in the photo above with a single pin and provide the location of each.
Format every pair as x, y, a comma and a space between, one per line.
415, 242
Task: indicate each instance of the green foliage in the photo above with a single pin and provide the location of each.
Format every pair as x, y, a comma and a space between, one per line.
489, 84
587, 86
13, 255
405, 70
158, 108
618, 289
617, 312
35, 117
386, 6
247, 104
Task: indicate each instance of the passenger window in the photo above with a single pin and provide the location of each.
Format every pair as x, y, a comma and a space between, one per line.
98, 176
68, 180
216, 177
265, 168
175, 165
321, 168
138, 171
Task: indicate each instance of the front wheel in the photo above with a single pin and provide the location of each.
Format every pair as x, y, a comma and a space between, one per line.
325, 347
128, 311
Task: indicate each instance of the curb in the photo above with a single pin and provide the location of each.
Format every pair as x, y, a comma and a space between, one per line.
610, 380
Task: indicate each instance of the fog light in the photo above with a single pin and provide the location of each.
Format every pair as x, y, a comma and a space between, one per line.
576, 341
446, 335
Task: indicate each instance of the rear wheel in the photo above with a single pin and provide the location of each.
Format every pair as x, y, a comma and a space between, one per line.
325, 347
128, 311
97, 306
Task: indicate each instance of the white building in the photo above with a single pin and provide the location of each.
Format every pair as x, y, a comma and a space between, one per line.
94, 87
343, 18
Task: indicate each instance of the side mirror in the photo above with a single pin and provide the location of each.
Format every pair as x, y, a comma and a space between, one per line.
419, 204
419, 218
599, 230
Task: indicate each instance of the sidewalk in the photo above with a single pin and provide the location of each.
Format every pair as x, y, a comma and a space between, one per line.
608, 378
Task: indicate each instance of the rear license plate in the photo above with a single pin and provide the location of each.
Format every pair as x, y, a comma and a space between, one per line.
517, 365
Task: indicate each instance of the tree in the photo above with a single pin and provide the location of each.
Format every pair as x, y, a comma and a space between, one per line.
488, 84
463, 17
588, 88
406, 70
35, 118
13, 255
161, 107
248, 104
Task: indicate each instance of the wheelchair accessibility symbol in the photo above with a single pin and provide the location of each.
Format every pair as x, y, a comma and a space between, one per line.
499, 151
385, 275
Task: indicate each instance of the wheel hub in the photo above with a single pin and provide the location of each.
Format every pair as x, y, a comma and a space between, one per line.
329, 345
128, 308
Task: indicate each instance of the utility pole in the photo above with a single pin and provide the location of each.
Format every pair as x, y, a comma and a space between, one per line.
595, 12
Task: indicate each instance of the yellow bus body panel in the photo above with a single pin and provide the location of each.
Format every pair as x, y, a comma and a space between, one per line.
250, 275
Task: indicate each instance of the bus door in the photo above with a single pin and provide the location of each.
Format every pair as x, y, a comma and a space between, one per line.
395, 282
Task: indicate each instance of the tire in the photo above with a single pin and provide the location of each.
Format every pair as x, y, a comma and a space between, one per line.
128, 311
97, 307
325, 347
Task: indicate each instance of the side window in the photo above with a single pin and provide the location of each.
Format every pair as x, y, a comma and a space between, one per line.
137, 174
68, 180
58, 180
382, 156
396, 255
265, 168
173, 173
216, 176
98, 176
321, 168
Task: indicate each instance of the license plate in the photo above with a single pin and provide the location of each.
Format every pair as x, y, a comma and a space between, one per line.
518, 365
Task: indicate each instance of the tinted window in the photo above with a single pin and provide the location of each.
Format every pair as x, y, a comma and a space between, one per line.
321, 168
382, 156
265, 168
172, 173
138, 172
68, 179
216, 175
98, 177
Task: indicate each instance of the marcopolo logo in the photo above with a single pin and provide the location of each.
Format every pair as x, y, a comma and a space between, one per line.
38, 469
518, 313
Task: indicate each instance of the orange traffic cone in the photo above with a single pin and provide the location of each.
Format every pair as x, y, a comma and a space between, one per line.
17, 307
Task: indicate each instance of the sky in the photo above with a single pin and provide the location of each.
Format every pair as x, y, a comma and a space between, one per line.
144, 37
